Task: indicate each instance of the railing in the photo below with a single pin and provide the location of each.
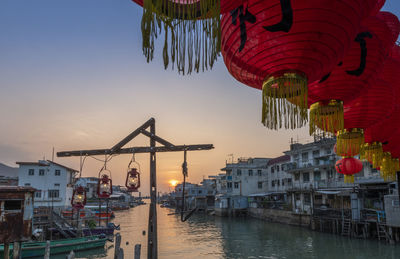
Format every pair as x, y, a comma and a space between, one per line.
332, 213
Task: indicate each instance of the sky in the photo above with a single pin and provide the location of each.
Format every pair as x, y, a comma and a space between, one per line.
72, 76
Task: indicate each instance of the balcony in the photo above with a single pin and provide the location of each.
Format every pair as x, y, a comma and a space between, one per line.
306, 166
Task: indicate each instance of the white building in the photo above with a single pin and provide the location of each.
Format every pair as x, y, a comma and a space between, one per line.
54, 182
279, 180
247, 176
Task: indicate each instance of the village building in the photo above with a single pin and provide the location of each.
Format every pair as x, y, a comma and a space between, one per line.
53, 182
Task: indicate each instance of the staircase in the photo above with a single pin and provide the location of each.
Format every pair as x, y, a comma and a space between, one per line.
346, 227
381, 231
60, 224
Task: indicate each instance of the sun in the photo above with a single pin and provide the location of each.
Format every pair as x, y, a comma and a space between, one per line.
173, 183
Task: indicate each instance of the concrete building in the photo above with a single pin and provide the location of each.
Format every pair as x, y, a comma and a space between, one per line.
8, 175
247, 176
53, 181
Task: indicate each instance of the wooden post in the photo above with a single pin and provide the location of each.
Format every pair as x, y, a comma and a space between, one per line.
6, 251
17, 250
71, 255
121, 253
152, 226
47, 250
137, 251
117, 245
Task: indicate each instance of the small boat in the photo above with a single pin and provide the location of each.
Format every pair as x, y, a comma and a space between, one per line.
89, 211
37, 249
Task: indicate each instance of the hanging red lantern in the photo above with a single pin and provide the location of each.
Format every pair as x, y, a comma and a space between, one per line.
372, 7
362, 64
78, 198
104, 187
280, 46
348, 166
132, 182
192, 39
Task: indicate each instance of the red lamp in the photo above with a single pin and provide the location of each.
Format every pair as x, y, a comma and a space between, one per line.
281, 46
78, 198
132, 182
104, 187
348, 166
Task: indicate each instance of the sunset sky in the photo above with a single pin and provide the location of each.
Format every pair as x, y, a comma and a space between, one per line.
72, 76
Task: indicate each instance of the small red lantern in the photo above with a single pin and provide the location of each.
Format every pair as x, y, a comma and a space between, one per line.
132, 180
348, 166
78, 198
104, 187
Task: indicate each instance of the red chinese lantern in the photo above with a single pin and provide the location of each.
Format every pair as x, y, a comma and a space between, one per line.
361, 65
132, 182
280, 46
361, 113
348, 166
372, 7
104, 187
191, 28
78, 198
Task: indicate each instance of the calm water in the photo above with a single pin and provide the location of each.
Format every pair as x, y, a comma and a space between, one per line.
214, 237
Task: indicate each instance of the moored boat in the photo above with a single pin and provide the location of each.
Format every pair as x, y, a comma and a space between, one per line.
37, 249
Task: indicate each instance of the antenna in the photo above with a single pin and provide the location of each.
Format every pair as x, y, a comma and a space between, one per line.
52, 155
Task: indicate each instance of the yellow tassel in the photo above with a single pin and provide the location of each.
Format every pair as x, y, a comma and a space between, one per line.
277, 112
193, 29
389, 167
348, 142
326, 117
373, 153
349, 178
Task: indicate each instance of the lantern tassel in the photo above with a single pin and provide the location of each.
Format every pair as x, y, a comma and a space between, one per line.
277, 111
373, 153
326, 117
348, 142
192, 28
349, 178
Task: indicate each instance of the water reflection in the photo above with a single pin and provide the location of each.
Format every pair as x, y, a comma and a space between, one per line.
213, 237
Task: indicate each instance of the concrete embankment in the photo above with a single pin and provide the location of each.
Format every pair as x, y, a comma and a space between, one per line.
281, 216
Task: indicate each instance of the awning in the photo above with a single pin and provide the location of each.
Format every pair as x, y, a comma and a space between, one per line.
259, 194
329, 192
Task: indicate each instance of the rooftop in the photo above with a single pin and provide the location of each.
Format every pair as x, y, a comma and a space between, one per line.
46, 163
280, 159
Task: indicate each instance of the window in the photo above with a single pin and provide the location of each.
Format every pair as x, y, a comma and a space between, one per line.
277, 168
54, 193
289, 181
306, 177
250, 172
12, 205
57, 185
315, 153
307, 198
259, 184
38, 194
57, 173
304, 157
239, 172
297, 177
272, 169
229, 184
279, 182
283, 167
236, 185
27, 184
317, 176
41, 172
31, 172
273, 183
259, 172
297, 196
200, 191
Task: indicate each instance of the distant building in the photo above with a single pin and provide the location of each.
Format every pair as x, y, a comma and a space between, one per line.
54, 182
247, 176
90, 184
8, 175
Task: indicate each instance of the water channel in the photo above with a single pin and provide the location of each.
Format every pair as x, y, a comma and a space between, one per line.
214, 237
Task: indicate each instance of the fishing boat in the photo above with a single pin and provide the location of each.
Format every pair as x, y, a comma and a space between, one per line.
89, 211
37, 249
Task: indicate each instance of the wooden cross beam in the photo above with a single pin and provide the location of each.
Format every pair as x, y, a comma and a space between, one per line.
152, 150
